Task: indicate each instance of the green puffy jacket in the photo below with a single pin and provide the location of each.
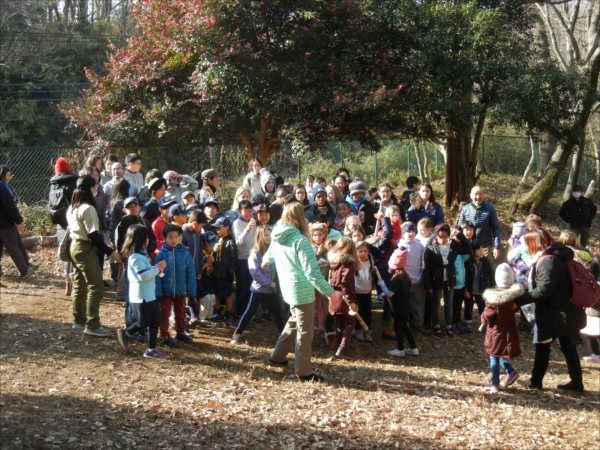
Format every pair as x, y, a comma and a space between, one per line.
299, 273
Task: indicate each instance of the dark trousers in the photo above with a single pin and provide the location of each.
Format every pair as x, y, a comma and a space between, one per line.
402, 331
243, 280
256, 298
469, 303
11, 239
542, 360
364, 309
594, 344
457, 301
179, 309
427, 311
344, 328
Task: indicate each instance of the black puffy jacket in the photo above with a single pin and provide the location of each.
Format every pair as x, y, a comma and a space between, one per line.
578, 213
433, 263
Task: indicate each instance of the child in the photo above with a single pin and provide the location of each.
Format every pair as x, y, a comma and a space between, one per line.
263, 286
393, 212
399, 293
364, 286
343, 213
192, 239
425, 237
178, 215
363, 208
502, 336
267, 182
188, 200
144, 309
412, 186
211, 209
162, 221
318, 239
425, 230
468, 229
357, 233
224, 269
179, 281
352, 220
592, 329
478, 278
205, 289
244, 228
263, 214
343, 263
310, 183
439, 275
459, 292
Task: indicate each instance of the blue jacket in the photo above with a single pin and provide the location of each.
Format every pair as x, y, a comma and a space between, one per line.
180, 273
141, 274
436, 216
487, 226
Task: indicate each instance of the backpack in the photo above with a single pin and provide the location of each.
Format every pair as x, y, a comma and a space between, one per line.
586, 290
58, 203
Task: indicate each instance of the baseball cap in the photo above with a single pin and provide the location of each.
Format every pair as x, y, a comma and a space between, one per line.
166, 201
214, 200
155, 180
222, 222
209, 173
209, 238
129, 200
178, 210
186, 193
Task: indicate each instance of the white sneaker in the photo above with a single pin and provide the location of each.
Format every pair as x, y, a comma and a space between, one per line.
359, 335
98, 332
411, 351
235, 339
592, 358
396, 352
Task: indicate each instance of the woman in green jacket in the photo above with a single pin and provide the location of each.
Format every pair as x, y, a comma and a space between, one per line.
293, 255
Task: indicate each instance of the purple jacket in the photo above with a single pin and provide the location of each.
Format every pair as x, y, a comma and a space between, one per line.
261, 278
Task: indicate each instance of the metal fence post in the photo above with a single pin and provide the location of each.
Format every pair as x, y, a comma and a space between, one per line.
299, 177
408, 147
341, 154
375, 154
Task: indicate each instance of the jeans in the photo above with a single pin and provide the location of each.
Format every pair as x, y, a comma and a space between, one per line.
11, 239
256, 298
88, 287
446, 293
402, 330
243, 281
495, 364
344, 328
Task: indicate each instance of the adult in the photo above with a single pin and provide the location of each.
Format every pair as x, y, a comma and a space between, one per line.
115, 208
485, 218
556, 317
268, 184
426, 207
11, 223
63, 183
106, 174
133, 163
293, 255
158, 189
209, 180
85, 234
300, 193
241, 193
102, 202
386, 198
334, 196
94, 161
578, 212
177, 184
412, 185
144, 194
118, 173
252, 180
342, 184
320, 206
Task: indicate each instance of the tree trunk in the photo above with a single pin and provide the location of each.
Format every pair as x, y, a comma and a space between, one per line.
417, 147
596, 151
268, 141
546, 152
529, 167
459, 179
476, 163
575, 169
425, 161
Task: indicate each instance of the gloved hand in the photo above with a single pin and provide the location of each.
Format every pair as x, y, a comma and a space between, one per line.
384, 288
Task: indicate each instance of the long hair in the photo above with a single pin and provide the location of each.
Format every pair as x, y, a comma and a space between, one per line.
135, 240
393, 197
336, 191
345, 246
431, 198
296, 189
120, 191
83, 192
92, 160
259, 245
293, 214
252, 161
238, 192
537, 240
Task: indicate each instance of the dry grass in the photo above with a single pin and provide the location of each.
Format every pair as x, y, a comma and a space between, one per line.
61, 390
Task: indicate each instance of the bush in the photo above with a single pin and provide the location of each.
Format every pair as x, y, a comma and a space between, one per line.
37, 220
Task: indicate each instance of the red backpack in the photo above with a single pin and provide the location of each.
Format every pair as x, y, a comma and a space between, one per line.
586, 290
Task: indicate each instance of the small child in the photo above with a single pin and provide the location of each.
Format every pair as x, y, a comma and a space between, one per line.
144, 310
502, 336
425, 231
179, 281
399, 293
178, 215
414, 270
310, 183
518, 264
592, 329
263, 214
352, 220
318, 239
188, 200
264, 287
393, 212
224, 270
468, 229
244, 228
343, 265
478, 278
205, 289
357, 233
192, 239
162, 221
364, 287
343, 213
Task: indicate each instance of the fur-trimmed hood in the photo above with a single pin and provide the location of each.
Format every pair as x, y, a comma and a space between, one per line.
500, 296
338, 258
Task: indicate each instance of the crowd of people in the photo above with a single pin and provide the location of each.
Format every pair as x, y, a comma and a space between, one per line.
178, 254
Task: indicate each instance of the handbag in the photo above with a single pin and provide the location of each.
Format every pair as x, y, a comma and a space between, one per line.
64, 248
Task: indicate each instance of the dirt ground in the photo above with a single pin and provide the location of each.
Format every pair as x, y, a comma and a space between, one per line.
61, 389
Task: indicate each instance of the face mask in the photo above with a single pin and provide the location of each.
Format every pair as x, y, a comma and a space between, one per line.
576, 194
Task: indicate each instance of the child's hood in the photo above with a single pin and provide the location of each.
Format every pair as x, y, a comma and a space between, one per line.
339, 258
498, 296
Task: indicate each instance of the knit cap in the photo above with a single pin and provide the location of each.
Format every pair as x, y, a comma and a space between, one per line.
398, 258
504, 276
408, 226
519, 229
357, 186
62, 166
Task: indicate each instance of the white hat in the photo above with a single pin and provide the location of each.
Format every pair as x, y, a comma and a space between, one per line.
504, 276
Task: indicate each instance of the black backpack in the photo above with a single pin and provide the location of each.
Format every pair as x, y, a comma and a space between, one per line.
58, 203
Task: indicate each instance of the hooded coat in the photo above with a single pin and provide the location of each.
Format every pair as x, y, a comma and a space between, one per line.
555, 315
9, 212
67, 182
180, 273
294, 257
252, 183
433, 263
502, 335
341, 275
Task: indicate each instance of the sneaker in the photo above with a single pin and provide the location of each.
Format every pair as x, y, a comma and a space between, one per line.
30, 271
368, 337
359, 335
184, 337
424, 331
169, 341
77, 326
216, 318
330, 338
98, 332
345, 353
205, 322
437, 333
491, 388
449, 334
592, 358
228, 319
512, 377
411, 351
155, 353
235, 339
456, 330
469, 328
123, 338
138, 337
312, 377
284, 363
396, 352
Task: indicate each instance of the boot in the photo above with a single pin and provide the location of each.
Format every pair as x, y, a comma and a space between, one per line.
359, 335
68, 285
540, 365
574, 368
388, 332
368, 337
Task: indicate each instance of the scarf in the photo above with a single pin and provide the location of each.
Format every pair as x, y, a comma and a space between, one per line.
356, 205
339, 223
209, 267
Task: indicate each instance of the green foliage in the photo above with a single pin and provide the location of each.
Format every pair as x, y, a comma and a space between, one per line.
37, 220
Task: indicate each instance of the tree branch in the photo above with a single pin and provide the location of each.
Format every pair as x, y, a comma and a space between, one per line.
552, 34
568, 29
